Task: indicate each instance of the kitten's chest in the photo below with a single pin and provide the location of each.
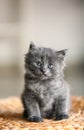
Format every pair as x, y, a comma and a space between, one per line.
47, 92
51, 88
46, 99
47, 89
47, 95
43, 90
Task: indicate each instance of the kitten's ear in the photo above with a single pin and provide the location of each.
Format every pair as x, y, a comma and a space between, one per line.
62, 53
32, 46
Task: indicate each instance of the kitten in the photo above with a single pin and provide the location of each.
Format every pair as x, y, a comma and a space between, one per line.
46, 93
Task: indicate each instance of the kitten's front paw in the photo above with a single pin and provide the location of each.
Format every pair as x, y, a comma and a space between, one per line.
35, 119
60, 117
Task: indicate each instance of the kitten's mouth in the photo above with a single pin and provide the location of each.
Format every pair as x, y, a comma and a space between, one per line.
44, 76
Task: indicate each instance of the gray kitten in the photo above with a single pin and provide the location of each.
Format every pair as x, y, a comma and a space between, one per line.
46, 93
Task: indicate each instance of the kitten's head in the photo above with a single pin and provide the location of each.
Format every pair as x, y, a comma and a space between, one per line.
44, 63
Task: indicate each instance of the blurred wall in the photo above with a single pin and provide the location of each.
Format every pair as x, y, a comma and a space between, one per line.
57, 24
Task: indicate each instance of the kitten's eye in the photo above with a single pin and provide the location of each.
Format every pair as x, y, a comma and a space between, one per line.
50, 66
39, 63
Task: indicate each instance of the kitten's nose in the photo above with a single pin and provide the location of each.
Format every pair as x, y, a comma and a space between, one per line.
43, 71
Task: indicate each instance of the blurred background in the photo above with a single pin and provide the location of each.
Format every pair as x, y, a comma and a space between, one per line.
58, 24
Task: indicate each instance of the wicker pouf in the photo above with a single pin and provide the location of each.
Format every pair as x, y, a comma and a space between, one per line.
11, 117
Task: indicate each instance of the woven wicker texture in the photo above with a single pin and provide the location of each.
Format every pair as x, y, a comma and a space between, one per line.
11, 117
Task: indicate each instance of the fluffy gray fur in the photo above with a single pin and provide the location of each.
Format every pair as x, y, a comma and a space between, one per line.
46, 93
